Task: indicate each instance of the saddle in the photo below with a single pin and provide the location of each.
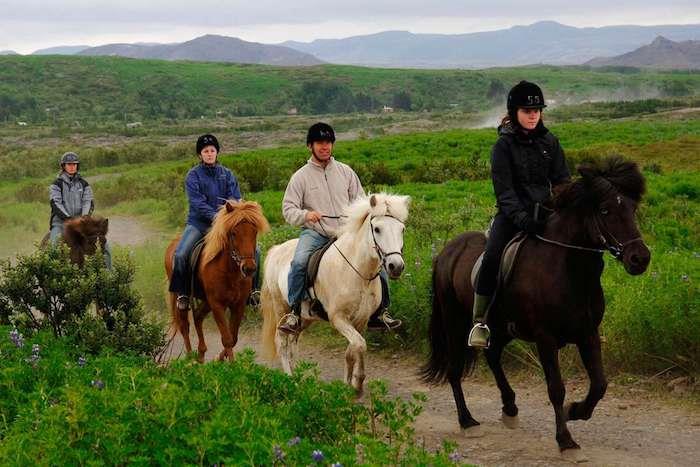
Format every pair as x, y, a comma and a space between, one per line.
508, 259
311, 273
196, 289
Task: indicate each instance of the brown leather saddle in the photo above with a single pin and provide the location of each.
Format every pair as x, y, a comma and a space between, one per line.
311, 273
196, 289
508, 259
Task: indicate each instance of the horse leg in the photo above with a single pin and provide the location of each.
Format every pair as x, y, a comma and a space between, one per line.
589, 350
493, 357
219, 312
549, 357
354, 354
184, 326
234, 321
457, 355
199, 315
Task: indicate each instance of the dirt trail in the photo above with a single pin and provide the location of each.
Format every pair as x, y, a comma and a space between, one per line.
629, 427
126, 231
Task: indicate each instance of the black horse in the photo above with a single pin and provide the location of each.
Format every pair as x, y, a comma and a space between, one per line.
553, 296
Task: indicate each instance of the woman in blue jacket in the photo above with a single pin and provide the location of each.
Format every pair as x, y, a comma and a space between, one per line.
208, 185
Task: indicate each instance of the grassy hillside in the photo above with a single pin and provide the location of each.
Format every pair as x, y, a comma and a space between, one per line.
66, 89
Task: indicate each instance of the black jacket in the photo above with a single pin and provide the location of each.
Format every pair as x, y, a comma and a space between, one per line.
524, 168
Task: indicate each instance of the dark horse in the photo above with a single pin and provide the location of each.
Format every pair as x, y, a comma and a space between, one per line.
225, 271
553, 297
82, 235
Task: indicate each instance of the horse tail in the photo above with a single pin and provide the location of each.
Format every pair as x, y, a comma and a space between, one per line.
269, 327
450, 358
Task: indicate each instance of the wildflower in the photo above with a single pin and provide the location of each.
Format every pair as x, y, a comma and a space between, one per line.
294, 441
654, 274
98, 383
336, 464
34, 358
685, 278
317, 456
455, 456
17, 338
81, 361
279, 453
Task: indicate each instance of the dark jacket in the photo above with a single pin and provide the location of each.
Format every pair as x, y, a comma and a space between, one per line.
524, 168
207, 189
69, 197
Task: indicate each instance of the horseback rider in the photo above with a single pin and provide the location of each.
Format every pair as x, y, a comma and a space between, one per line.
314, 199
70, 195
527, 161
208, 186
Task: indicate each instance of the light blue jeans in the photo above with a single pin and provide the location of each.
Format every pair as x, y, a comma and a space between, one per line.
57, 232
310, 241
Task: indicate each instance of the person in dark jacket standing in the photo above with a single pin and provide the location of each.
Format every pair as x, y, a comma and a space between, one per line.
527, 161
208, 185
70, 195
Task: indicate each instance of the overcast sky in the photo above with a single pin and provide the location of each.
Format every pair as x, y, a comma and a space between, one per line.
27, 25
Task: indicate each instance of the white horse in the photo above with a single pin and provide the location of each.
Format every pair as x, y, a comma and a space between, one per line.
347, 283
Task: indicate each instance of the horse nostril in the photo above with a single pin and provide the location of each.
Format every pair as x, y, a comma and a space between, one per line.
391, 267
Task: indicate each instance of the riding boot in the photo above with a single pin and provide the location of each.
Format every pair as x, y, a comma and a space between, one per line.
292, 321
480, 333
381, 321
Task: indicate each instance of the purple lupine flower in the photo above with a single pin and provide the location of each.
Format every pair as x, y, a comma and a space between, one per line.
98, 383
294, 441
34, 358
317, 456
17, 338
279, 453
81, 361
455, 456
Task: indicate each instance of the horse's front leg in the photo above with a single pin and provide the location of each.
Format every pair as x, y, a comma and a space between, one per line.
589, 349
234, 322
549, 357
199, 315
354, 354
493, 357
219, 312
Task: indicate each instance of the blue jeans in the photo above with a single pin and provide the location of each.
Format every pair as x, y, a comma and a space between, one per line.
57, 232
310, 241
180, 283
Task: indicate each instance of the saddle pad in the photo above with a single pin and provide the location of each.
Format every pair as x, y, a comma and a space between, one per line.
314, 261
510, 255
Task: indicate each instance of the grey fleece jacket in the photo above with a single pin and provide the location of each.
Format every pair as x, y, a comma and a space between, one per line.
69, 197
326, 190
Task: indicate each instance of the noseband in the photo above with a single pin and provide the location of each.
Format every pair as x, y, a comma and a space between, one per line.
382, 255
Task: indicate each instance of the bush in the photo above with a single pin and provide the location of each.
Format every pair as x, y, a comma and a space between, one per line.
46, 291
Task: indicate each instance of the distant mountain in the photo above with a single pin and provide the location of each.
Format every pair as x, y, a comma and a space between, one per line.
8, 52
543, 42
61, 50
662, 53
211, 48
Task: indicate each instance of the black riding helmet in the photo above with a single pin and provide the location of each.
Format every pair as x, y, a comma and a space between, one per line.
320, 132
69, 158
207, 140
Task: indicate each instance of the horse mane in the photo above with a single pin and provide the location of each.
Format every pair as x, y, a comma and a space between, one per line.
598, 180
75, 230
231, 214
386, 204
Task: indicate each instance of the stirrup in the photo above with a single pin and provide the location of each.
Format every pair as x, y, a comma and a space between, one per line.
182, 302
479, 336
383, 322
254, 299
285, 326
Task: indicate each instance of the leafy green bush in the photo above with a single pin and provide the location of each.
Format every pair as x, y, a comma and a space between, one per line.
116, 410
46, 291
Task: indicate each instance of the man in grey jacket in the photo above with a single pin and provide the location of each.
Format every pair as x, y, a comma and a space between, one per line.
70, 196
315, 199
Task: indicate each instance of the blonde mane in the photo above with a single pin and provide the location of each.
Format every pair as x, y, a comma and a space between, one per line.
217, 239
386, 205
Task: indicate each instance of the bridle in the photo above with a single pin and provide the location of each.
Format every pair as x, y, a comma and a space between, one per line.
380, 253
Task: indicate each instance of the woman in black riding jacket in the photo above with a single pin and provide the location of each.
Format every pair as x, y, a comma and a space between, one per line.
526, 163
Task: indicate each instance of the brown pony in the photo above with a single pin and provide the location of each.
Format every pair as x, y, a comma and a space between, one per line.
82, 235
553, 298
225, 271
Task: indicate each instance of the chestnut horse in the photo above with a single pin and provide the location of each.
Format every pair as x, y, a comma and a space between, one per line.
225, 271
554, 296
82, 235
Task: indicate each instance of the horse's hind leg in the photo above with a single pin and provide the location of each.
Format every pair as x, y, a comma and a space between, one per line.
184, 326
199, 315
549, 357
493, 357
589, 349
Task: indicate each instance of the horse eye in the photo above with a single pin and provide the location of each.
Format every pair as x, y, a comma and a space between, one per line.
376, 230
604, 211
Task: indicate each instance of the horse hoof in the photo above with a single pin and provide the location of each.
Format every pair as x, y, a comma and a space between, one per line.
567, 445
510, 422
574, 455
475, 431
469, 423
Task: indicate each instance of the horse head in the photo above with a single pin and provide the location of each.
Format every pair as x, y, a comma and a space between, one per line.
81, 234
606, 197
235, 231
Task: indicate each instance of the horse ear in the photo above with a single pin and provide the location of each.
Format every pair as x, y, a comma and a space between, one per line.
587, 171
104, 225
373, 201
229, 206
